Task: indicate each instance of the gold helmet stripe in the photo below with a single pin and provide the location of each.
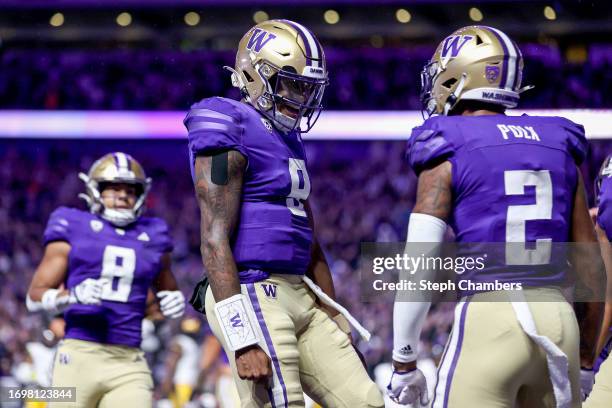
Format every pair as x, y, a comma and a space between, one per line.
511, 59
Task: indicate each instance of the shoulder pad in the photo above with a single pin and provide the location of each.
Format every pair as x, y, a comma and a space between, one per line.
159, 233
430, 144
61, 222
215, 124
577, 144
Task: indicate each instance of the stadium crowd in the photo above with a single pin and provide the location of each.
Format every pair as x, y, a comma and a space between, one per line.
369, 79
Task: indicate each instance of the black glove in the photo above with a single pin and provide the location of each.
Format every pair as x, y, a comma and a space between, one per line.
198, 296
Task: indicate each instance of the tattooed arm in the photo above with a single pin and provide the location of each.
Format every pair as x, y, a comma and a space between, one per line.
427, 224
219, 211
434, 192
219, 202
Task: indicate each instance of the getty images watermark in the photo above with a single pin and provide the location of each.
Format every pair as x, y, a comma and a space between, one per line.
448, 271
408, 264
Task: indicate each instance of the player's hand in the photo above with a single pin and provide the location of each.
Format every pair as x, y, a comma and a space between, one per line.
171, 303
587, 379
88, 292
408, 387
253, 364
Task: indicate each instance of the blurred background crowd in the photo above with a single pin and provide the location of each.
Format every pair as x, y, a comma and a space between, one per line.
107, 58
362, 79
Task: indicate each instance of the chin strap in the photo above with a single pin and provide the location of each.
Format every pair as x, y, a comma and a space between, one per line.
525, 89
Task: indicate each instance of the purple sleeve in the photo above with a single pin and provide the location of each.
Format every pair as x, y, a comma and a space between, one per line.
576, 141
428, 145
59, 226
162, 236
214, 124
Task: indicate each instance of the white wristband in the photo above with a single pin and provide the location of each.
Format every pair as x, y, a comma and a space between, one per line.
236, 324
52, 302
32, 305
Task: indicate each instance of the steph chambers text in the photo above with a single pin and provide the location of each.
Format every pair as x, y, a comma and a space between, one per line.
449, 285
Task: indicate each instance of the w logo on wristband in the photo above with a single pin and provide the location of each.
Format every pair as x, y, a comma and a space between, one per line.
236, 321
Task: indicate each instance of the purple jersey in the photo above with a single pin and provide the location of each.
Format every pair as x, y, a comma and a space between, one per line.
274, 234
604, 214
128, 258
513, 180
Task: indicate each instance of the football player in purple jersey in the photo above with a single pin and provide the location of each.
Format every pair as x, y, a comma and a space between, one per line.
498, 178
271, 296
601, 394
98, 267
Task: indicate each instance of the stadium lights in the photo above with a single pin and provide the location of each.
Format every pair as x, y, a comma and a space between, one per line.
331, 16
476, 14
57, 20
550, 13
403, 16
192, 18
260, 16
124, 19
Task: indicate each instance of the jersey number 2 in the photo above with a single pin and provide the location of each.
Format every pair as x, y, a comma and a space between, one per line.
515, 182
300, 187
118, 262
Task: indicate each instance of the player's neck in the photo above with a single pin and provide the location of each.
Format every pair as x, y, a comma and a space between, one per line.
479, 112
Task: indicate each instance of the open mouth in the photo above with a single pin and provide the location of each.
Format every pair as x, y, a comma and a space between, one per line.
289, 111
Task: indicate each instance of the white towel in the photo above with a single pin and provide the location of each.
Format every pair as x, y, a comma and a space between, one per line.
332, 303
556, 359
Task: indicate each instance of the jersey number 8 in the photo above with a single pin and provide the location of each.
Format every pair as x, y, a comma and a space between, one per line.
118, 263
300, 189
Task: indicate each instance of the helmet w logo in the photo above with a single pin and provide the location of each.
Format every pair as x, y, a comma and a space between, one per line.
452, 45
258, 39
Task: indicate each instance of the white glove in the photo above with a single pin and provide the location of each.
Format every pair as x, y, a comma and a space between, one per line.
587, 379
408, 387
171, 303
88, 292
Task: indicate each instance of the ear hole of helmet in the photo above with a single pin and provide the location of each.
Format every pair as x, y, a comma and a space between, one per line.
449, 83
289, 68
479, 40
248, 77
